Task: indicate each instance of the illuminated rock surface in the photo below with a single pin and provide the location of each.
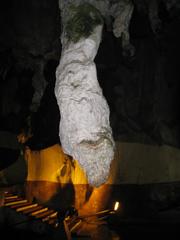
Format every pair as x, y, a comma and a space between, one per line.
85, 131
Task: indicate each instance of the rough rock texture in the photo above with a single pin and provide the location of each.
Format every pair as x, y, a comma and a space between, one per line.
39, 83
85, 131
122, 13
142, 91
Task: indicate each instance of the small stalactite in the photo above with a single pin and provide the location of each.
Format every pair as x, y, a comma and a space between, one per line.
39, 83
122, 13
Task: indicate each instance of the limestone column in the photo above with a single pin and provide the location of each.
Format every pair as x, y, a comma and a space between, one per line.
85, 131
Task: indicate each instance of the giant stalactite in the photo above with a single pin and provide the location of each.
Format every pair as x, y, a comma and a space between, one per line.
85, 131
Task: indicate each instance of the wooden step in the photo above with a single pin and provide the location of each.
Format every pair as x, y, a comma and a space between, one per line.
39, 211
52, 216
15, 202
20, 205
29, 211
32, 209
44, 214
10, 197
21, 209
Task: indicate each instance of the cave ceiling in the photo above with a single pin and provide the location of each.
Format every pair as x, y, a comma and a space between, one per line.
142, 89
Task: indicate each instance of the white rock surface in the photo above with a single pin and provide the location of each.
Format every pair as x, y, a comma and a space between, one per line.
85, 132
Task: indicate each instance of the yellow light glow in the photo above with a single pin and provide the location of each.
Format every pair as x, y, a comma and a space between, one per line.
116, 206
39, 211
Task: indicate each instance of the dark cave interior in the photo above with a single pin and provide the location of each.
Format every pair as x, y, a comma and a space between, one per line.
142, 92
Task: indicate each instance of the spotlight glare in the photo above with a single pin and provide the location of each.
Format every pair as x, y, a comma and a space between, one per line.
116, 206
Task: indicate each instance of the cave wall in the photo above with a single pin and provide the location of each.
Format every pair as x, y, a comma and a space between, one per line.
29, 41
30, 27
142, 90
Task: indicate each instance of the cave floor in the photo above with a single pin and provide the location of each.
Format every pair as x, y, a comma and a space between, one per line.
165, 225
147, 222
